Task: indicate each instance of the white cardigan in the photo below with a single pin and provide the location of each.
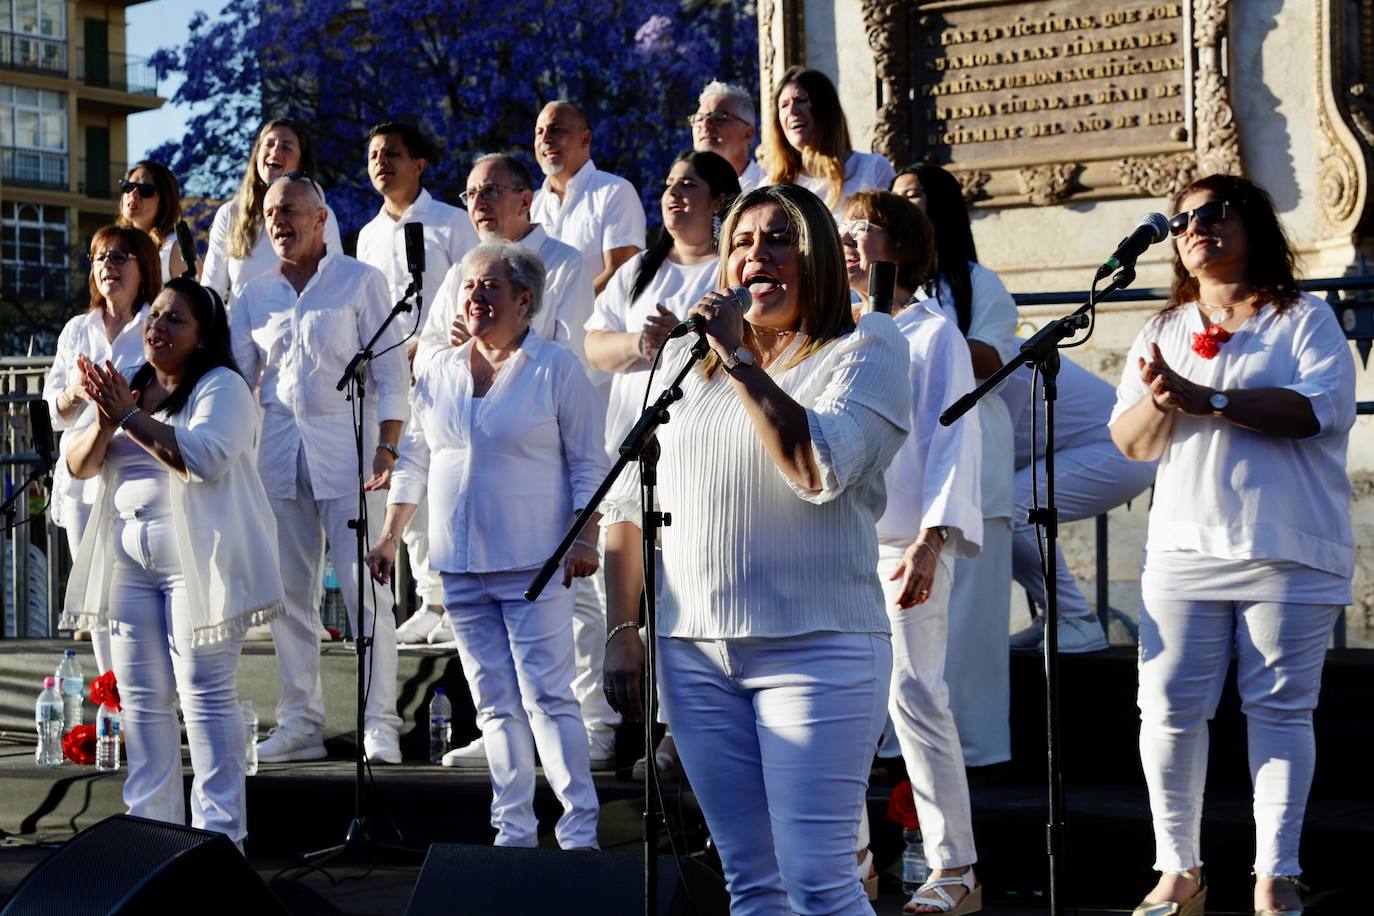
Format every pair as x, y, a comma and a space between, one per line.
226, 535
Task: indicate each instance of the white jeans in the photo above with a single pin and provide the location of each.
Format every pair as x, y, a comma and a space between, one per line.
589, 656
75, 515
155, 664
777, 736
919, 706
977, 662
1185, 649
518, 661
304, 525
1089, 480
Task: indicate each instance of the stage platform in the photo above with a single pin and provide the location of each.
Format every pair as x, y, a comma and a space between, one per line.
299, 807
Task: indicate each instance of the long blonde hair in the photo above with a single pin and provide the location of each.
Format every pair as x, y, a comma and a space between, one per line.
823, 286
247, 224
826, 159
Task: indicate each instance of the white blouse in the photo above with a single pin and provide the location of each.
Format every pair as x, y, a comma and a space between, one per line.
862, 172
677, 287
506, 472
934, 478
750, 553
228, 276
1229, 493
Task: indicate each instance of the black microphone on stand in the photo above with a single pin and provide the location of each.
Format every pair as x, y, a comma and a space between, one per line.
882, 285
187, 243
1153, 227
698, 324
40, 428
415, 253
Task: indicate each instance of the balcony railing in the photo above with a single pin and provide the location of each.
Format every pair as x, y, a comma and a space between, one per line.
123, 72
100, 178
33, 53
33, 168
35, 283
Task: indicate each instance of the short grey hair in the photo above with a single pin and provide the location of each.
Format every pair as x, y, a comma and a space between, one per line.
731, 91
526, 271
520, 177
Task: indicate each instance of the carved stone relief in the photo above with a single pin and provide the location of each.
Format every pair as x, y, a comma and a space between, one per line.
1048, 184
1343, 154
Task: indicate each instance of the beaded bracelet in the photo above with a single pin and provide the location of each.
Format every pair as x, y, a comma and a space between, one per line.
618, 627
126, 418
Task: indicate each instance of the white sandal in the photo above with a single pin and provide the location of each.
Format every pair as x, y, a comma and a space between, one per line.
943, 902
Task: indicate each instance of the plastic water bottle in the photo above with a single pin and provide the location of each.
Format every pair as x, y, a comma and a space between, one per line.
440, 725
107, 738
47, 716
915, 868
70, 683
333, 611
250, 728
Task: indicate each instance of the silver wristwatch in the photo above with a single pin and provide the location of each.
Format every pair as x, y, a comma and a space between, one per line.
743, 356
1219, 402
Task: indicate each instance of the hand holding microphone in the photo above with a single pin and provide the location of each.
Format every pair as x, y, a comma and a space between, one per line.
719, 315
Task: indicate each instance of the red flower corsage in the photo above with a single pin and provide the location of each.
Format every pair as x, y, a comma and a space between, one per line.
105, 691
78, 745
1207, 343
901, 806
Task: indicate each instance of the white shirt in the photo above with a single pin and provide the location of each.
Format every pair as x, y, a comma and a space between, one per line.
505, 472
749, 553
448, 236
1233, 494
599, 211
1080, 412
228, 276
164, 256
84, 335
568, 302
677, 287
934, 479
862, 172
752, 177
298, 347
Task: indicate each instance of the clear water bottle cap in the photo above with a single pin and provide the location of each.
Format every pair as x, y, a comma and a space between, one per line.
49, 682
69, 653
440, 692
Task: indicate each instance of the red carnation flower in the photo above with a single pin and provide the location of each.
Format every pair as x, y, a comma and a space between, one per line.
901, 806
105, 691
1207, 343
78, 745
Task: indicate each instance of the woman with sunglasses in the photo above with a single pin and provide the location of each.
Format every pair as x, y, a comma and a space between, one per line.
809, 143
239, 249
974, 298
125, 277
150, 199
1244, 389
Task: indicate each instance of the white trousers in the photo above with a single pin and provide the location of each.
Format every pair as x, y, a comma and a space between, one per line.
777, 737
589, 648
919, 707
428, 585
518, 661
977, 663
75, 515
155, 664
1089, 480
304, 525
1185, 649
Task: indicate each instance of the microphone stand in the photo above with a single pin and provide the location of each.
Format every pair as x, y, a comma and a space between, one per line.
1042, 352
359, 835
642, 446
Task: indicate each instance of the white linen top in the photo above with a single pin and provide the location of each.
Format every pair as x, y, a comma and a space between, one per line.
993, 319
225, 532
862, 172
749, 553
752, 177
568, 302
599, 211
934, 478
677, 287
295, 348
448, 236
1234, 494
141, 481
164, 256
84, 335
228, 276
505, 472
1080, 412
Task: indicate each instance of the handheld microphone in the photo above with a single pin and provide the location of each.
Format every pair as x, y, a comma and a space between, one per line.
698, 324
415, 252
40, 427
187, 243
882, 284
1153, 227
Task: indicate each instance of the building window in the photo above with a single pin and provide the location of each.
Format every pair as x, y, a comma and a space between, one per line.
45, 18
33, 251
33, 137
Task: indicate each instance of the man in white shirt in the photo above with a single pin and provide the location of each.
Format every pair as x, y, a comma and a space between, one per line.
398, 155
724, 124
595, 212
294, 330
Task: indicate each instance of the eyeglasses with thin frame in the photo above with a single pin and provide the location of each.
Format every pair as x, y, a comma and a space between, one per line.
114, 256
487, 192
1209, 214
145, 189
856, 228
714, 118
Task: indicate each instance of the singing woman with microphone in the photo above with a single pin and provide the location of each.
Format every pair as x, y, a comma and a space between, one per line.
775, 653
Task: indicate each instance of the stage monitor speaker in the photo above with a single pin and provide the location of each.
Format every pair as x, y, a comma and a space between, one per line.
463, 880
131, 866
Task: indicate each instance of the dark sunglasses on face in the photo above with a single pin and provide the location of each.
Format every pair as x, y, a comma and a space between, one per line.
1209, 214
145, 189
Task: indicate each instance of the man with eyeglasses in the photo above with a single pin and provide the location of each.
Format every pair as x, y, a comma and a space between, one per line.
595, 212
724, 124
294, 330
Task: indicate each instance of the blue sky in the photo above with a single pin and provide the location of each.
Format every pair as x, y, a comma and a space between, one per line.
153, 25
